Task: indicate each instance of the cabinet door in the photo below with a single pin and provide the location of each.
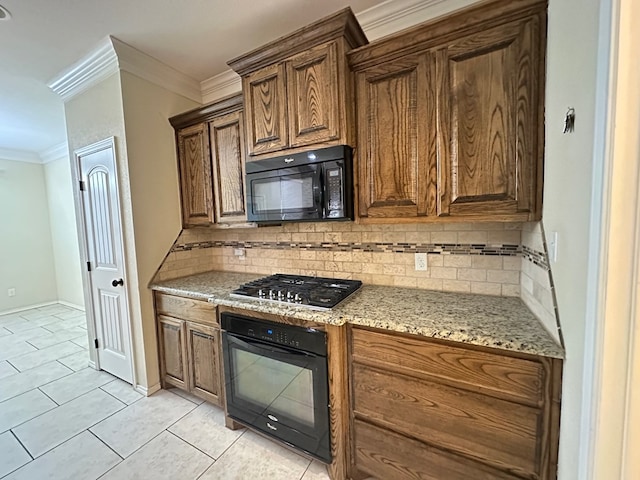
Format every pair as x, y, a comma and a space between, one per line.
173, 353
312, 94
204, 367
265, 110
396, 132
195, 176
227, 153
488, 107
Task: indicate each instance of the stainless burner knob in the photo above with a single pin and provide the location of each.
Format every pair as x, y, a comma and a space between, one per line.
272, 294
297, 298
280, 294
261, 293
290, 296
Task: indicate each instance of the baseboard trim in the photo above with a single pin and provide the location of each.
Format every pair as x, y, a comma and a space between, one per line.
71, 305
148, 391
29, 307
93, 365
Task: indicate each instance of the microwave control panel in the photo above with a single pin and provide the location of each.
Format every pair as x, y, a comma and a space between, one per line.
334, 192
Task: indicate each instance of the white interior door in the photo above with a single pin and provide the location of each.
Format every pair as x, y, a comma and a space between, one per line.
105, 257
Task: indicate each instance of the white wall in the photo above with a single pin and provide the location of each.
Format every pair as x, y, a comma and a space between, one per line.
571, 82
155, 199
64, 236
136, 113
26, 253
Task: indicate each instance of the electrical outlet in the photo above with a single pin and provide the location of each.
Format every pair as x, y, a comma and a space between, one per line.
421, 261
552, 247
239, 252
11, 292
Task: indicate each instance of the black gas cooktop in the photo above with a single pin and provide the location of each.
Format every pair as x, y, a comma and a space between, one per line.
317, 293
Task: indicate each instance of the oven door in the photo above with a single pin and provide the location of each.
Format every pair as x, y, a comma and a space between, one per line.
293, 193
282, 392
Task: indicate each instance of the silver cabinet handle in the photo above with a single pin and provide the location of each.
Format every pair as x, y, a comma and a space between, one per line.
271, 426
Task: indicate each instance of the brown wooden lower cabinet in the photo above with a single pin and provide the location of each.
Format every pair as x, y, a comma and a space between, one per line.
429, 409
189, 346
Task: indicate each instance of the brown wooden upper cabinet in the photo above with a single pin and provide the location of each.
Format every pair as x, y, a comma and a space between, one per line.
211, 163
450, 117
298, 89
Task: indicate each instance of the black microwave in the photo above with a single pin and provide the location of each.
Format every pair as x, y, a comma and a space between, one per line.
310, 186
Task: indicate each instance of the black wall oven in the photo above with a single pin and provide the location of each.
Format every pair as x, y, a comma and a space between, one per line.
276, 381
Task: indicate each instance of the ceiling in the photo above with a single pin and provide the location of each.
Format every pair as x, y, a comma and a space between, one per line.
44, 37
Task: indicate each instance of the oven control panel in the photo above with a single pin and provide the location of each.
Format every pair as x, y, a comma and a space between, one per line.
304, 339
274, 334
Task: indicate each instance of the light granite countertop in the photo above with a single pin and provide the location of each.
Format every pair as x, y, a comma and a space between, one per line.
490, 321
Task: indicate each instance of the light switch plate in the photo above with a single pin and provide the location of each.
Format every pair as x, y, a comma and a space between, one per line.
421, 262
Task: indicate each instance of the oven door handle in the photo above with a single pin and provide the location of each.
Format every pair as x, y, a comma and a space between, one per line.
257, 347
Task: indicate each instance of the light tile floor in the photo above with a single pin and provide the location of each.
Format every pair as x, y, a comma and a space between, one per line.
60, 419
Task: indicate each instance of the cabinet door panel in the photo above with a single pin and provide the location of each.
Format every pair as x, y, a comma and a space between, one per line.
195, 176
227, 152
397, 163
386, 454
488, 106
173, 356
203, 350
265, 110
312, 92
500, 433
505, 377
182, 307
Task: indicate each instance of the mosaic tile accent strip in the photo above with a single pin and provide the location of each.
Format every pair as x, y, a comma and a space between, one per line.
535, 257
505, 250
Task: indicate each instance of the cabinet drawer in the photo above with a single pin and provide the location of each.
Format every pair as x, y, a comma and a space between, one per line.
476, 426
385, 454
502, 376
186, 308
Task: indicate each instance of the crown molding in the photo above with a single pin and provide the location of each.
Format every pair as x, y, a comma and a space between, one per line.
19, 155
55, 153
148, 68
219, 86
378, 21
113, 55
395, 15
86, 72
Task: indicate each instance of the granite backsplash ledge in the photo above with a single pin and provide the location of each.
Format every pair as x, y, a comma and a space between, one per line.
490, 321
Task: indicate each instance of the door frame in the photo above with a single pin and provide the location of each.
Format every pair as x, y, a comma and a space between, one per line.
107, 143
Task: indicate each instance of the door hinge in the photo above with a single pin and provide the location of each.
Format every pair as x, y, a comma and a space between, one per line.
95, 342
88, 266
82, 186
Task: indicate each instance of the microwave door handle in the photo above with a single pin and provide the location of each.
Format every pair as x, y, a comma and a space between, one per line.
258, 347
317, 188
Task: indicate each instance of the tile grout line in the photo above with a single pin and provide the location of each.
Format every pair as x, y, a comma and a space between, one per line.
191, 445
45, 394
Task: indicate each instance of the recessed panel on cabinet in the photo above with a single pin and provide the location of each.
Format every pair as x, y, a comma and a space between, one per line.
195, 176
312, 92
396, 110
202, 347
488, 110
171, 332
387, 455
227, 151
497, 432
266, 114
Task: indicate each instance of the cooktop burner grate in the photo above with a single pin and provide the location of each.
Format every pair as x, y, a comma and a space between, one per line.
317, 293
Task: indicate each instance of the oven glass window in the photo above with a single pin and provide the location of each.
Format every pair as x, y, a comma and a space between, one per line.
278, 388
293, 192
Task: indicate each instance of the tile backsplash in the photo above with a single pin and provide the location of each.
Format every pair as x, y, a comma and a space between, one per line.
475, 258
536, 281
